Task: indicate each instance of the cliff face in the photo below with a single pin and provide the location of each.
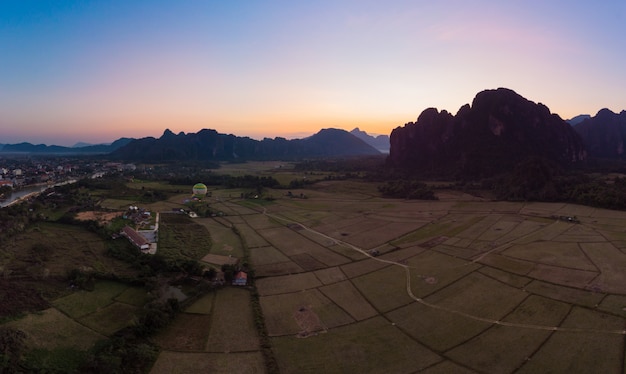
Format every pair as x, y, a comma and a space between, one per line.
499, 130
604, 134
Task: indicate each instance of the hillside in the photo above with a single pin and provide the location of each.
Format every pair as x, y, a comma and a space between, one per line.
498, 131
604, 134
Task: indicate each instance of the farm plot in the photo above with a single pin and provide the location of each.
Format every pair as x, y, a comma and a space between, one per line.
224, 240
567, 255
438, 329
502, 349
278, 269
432, 271
82, 303
480, 227
50, 250
614, 304
287, 241
346, 296
499, 229
52, 329
611, 262
547, 233
359, 268
593, 352
111, 318
232, 324
188, 332
136, 296
203, 305
524, 228
383, 232
478, 295
371, 346
305, 313
260, 221
214, 363
287, 284
560, 275
292, 243
330, 275
567, 294
267, 255
180, 236
251, 237
449, 225
511, 279
375, 287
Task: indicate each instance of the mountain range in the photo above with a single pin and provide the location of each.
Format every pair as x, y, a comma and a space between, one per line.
211, 145
499, 129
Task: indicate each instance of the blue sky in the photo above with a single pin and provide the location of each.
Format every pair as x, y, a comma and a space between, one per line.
98, 70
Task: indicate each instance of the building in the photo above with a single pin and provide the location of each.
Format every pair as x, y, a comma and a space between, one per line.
136, 238
241, 279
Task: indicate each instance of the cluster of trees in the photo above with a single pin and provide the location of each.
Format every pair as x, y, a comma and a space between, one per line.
540, 180
407, 189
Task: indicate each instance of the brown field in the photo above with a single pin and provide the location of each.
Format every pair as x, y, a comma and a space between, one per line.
214, 363
232, 324
346, 296
279, 310
371, 346
287, 284
100, 217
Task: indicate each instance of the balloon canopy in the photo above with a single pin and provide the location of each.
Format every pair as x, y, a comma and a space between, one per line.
199, 189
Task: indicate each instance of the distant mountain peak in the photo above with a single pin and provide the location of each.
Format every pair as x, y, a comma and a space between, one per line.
380, 142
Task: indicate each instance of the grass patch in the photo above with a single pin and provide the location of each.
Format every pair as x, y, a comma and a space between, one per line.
203, 305
52, 329
111, 318
81, 302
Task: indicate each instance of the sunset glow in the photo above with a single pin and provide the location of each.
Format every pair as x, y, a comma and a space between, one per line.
96, 71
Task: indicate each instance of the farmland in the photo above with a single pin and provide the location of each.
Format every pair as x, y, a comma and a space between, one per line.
345, 281
458, 285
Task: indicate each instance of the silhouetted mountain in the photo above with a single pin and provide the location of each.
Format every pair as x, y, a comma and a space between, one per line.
211, 145
57, 149
498, 131
82, 144
380, 142
578, 119
604, 134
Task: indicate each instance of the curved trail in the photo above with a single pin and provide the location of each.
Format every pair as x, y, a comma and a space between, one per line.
409, 291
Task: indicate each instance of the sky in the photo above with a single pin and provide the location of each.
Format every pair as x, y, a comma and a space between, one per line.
95, 71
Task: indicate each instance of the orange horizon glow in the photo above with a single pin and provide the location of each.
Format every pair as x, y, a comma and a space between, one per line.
95, 72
